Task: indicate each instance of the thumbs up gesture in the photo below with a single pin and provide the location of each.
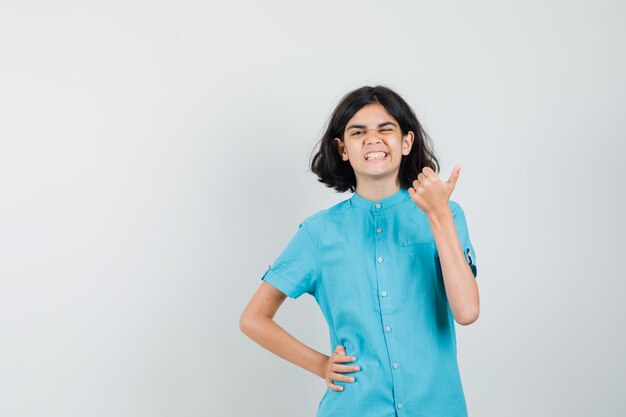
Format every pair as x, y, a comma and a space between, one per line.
430, 193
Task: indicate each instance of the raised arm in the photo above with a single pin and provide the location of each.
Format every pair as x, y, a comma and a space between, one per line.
458, 266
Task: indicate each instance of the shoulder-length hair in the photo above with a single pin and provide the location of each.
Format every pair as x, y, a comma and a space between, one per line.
336, 173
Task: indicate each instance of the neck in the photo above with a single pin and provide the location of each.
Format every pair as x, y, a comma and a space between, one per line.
376, 191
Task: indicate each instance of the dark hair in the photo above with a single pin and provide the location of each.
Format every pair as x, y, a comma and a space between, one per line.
336, 173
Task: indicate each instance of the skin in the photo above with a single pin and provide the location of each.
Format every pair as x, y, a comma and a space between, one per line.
375, 180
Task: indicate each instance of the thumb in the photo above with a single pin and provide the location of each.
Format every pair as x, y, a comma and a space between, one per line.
454, 176
340, 350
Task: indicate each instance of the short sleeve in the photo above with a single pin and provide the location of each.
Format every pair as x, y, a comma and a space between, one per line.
295, 270
462, 230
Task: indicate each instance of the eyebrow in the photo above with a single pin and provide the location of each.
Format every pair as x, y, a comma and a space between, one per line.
365, 127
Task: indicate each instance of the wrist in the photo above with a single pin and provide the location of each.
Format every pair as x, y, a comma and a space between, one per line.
439, 215
322, 366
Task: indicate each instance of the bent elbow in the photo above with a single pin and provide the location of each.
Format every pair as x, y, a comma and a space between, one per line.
244, 323
468, 319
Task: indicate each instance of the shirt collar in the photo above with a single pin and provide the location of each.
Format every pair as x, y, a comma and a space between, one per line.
392, 200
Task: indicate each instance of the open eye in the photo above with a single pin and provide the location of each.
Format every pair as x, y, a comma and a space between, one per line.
356, 132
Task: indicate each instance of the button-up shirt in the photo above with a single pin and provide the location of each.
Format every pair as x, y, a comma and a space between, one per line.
374, 270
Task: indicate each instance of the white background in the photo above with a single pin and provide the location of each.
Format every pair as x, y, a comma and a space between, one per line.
154, 160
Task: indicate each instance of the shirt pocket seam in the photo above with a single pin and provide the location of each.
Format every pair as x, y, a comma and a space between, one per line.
416, 243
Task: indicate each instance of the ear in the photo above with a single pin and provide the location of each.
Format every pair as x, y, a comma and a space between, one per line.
341, 149
407, 142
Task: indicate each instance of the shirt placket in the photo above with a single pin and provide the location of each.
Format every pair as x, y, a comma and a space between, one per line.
386, 300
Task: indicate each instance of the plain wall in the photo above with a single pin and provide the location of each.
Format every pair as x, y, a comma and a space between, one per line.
154, 160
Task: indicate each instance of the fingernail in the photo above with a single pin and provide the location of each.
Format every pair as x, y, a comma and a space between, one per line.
353, 358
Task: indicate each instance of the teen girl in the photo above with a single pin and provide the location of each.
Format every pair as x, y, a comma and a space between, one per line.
392, 268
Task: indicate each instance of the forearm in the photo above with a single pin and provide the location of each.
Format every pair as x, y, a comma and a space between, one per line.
459, 282
267, 333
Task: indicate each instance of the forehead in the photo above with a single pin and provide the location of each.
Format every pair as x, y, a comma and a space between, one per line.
371, 114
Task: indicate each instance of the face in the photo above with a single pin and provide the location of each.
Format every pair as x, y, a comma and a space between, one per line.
370, 131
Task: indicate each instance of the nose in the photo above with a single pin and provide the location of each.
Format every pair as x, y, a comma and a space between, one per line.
372, 138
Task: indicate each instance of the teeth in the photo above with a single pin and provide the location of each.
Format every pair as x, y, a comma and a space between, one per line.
375, 155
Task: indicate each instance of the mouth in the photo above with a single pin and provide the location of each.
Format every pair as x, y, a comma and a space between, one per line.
376, 156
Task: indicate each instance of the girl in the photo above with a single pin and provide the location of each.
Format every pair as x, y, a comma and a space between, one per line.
392, 268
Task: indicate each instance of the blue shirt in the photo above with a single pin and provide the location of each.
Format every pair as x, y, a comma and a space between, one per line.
374, 270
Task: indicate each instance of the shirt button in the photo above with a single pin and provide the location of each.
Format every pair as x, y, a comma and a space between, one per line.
399, 406
394, 365
377, 205
383, 293
388, 329
379, 259
380, 229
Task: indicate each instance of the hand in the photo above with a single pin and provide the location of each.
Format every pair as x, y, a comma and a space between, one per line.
430, 193
334, 360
